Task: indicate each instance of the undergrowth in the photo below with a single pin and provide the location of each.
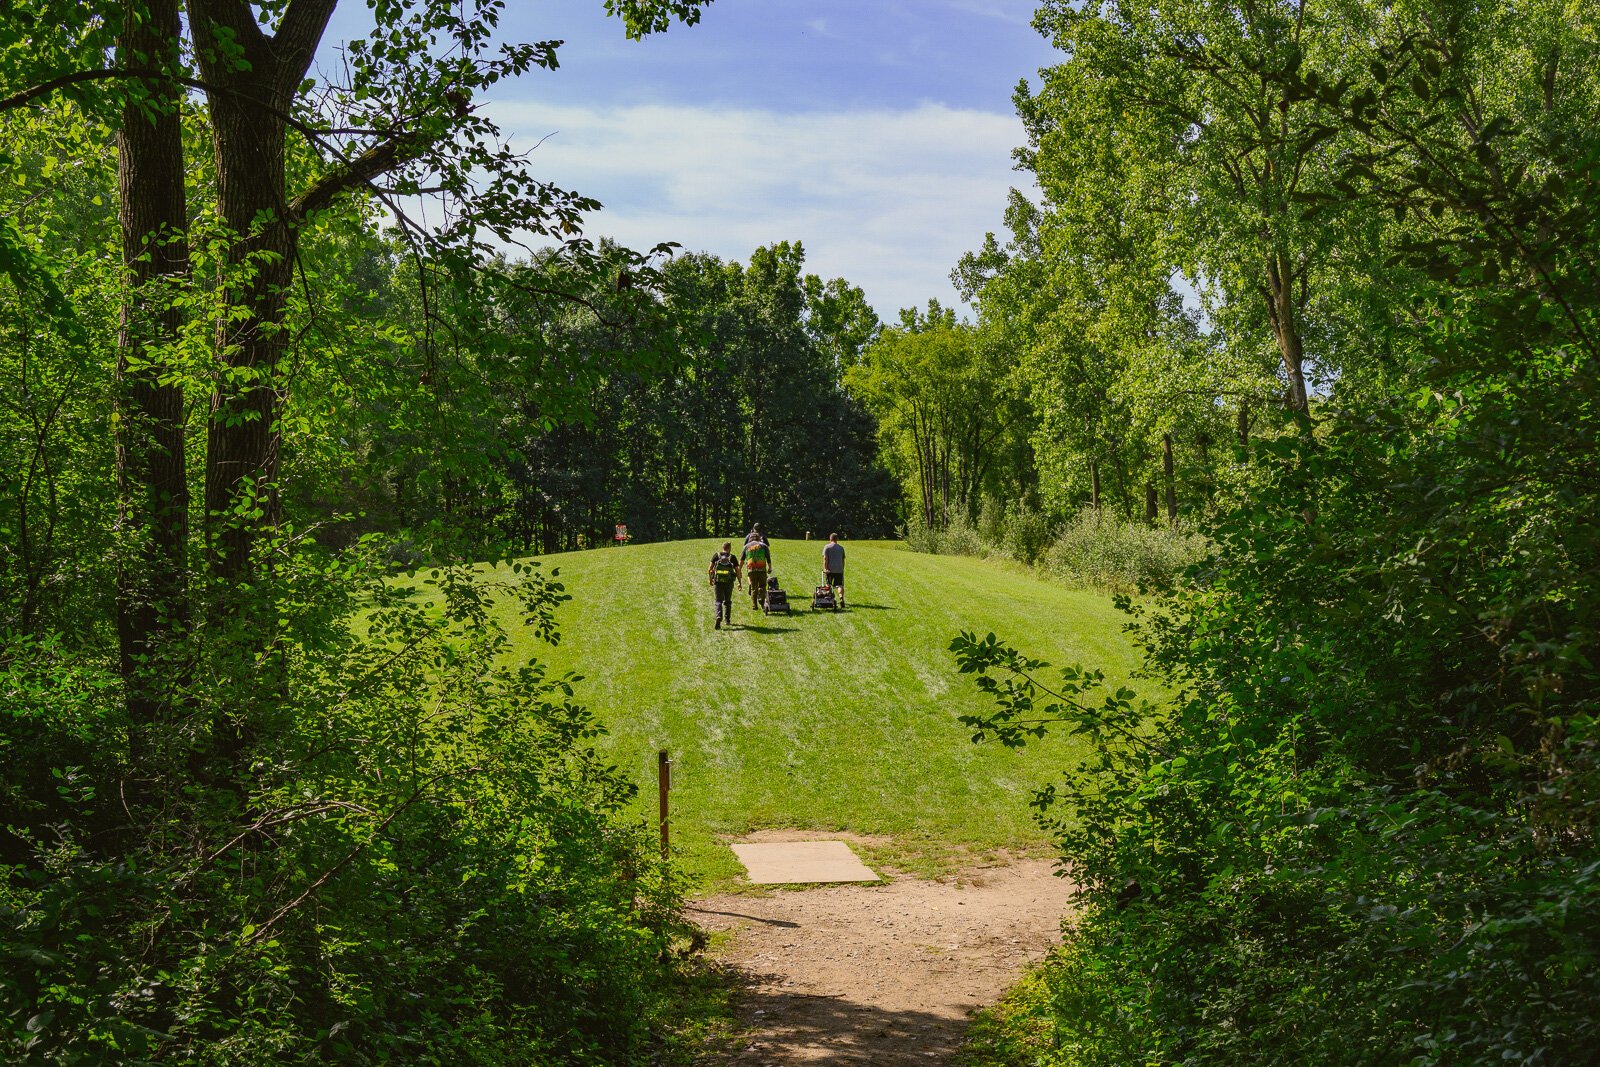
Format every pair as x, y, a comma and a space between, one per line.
1095, 548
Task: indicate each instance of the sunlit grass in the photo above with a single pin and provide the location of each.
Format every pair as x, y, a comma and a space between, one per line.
838, 722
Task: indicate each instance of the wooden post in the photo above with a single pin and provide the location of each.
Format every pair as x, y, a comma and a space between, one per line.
663, 786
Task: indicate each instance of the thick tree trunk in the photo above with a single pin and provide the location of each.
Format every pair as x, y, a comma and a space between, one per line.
246, 105
251, 79
152, 486
242, 438
1150, 498
1242, 424
1167, 472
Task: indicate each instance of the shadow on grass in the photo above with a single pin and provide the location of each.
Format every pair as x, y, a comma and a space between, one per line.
762, 629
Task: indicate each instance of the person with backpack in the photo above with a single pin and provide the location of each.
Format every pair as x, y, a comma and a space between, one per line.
722, 574
757, 561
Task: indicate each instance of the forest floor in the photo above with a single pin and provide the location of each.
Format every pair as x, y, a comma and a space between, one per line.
882, 974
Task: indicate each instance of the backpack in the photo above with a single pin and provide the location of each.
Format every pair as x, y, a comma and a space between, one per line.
756, 556
724, 568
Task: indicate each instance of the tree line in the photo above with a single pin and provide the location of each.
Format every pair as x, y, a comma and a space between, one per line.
753, 423
1323, 277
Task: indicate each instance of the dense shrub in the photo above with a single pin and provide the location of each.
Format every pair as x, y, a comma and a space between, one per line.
1099, 548
428, 863
991, 525
1364, 830
1096, 548
961, 538
1365, 834
958, 538
919, 536
1026, 534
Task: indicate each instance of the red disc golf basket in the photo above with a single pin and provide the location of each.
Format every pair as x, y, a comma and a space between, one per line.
621, 536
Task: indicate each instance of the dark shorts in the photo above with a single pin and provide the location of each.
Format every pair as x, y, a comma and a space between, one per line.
835, 578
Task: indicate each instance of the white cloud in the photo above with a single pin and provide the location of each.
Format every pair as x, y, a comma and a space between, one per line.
887, 199
1016, 14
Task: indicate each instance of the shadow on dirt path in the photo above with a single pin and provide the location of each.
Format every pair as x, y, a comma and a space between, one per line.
881, 974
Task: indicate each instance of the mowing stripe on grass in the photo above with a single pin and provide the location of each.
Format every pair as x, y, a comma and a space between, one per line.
833, 721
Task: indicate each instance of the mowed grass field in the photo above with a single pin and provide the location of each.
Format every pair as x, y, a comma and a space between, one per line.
825, 721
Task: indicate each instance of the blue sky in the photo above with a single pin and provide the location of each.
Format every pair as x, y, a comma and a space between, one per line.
878, 133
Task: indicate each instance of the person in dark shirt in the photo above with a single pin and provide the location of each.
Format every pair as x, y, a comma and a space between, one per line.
833, 565
756, 535
722, 575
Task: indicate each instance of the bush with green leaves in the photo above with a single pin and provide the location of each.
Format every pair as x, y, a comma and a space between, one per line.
1026, 534
427, 860
1363, 830
1099, 548
957, 538
1096, 548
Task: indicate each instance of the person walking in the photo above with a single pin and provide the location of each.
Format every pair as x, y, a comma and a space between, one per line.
722, 574
757, 561
833, 566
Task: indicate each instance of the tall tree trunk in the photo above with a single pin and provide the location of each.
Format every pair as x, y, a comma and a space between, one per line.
922, 443
1094, 485
1285, 318
246, 103
152, 487
1168, 474
1242, 424
944, 484
1124, 478
1150, 498
251, 79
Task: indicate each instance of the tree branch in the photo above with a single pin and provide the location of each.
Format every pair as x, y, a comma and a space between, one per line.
237, 17
261, 931
299, 32
401, 147
78, 77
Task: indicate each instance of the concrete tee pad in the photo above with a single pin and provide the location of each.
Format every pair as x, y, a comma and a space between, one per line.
779, 862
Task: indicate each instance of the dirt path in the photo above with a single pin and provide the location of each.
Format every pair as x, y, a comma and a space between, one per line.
881, 974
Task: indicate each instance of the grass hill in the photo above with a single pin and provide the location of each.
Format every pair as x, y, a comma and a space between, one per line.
820, 721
